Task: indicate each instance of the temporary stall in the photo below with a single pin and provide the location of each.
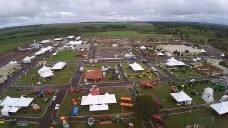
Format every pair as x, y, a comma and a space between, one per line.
14, 109
47, 74
160, 54
203, 51
44, 41
208, 95
58, 39
136, 67
43, 50
220, 108
26, 60
114, 45
70, 37
182, 97
44, 69
98, 107
168, 54
5, 111
23, 102
107, 99
58, 66
173, 62
75, 42
142, 47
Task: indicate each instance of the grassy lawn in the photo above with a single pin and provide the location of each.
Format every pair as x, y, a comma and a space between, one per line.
159, 71
67, 106
64, 56
133, 77
30, 112
137, 123
30, 125
117, 33
185, 73
61, 77
184, 119
163, 92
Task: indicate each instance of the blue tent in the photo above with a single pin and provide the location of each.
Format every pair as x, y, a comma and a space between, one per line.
75, 111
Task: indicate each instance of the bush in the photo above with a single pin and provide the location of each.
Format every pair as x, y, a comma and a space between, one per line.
223, 63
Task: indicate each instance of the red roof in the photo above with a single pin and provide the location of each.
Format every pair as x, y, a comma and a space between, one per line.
83, 53
95, 74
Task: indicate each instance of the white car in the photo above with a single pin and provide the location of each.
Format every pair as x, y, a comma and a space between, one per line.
57, 106
54, 97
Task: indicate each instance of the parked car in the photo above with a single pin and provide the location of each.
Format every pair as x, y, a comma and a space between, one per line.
54, 97
57, 106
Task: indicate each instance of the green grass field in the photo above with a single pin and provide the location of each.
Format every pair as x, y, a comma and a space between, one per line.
117, 33
201, 117
163, 92
10, 44
30, 112
61, 77
133, 77
67, 106
64, 56
185, 73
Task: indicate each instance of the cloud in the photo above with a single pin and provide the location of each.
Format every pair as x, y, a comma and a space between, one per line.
23, 12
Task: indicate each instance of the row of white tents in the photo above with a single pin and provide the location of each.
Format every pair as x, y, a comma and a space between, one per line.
98, 102
12, 105
45, 72
43, 50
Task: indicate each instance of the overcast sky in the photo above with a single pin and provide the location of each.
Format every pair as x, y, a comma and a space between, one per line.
26, 12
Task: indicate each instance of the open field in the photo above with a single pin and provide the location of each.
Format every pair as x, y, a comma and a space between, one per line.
133, 77
117, 33
30, 112
137, 123
67, 106
61, 77
201, 117
9, 44
185, 73
64, 56
163, 92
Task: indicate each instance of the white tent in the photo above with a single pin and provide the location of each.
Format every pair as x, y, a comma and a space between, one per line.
48, 73
143, 47
203, 51
220, 108
173, 62
107, 99
8, 101
160, 54
5, 111
58, 39
168, 54
14, 109
114, 45
44, 69
89, 100
136, 67
198, 58
43, 50
208, 95
98, 99
98, 107
23, 102
182, 97
75, 42
26, 60
58, 66
70, 37
44, 41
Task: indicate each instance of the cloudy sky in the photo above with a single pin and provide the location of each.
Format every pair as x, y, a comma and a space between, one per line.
27, 12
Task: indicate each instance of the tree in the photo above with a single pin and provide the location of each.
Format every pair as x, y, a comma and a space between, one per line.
186, 51
144, 107
223, 63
